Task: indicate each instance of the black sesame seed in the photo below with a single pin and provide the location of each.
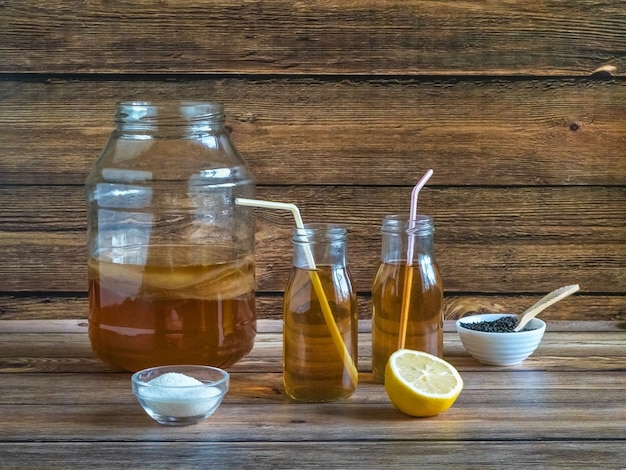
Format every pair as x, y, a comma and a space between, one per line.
499, 325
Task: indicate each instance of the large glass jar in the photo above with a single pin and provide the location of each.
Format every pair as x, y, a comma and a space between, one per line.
320, 317
407, 294
171, 257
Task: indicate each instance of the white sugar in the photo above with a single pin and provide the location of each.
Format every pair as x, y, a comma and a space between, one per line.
174, 379
175, 394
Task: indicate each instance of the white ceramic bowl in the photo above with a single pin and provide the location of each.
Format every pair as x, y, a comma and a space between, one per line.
500, 349
180, 395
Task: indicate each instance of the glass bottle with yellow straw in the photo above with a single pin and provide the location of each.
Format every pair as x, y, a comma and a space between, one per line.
313, 370
320, 313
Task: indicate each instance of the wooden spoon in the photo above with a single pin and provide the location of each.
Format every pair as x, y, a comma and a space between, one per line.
547, 300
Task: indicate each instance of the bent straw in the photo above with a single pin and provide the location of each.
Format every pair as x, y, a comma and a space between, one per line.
315, 280
408, 278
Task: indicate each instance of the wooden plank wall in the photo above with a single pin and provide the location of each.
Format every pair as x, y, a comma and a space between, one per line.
339, 107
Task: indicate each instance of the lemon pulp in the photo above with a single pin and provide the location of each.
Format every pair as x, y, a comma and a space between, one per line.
420, 384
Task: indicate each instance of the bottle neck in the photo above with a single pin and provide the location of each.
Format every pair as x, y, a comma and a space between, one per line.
179, 119
400, 234
320, 245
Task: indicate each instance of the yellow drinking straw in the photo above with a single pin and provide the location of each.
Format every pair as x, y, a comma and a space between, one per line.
408, 277
315, 280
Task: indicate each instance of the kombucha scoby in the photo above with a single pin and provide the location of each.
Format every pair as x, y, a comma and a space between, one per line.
171, 310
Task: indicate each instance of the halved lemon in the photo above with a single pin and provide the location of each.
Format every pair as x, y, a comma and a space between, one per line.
420, 384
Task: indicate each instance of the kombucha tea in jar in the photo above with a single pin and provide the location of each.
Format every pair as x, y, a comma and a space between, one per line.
170, 255
424, 330
314, 369
171, 311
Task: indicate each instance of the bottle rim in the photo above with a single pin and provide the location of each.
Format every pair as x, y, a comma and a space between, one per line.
319, 233
396, 224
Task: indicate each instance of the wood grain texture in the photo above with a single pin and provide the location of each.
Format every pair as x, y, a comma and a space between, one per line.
518, 240
416, 37
52, 262
461, 214
345, 131
388, 455
562, 406
49, 306
339, 107
590, 345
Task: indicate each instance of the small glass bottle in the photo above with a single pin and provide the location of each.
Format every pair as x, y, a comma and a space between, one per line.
171, 256
320, 318
394, 280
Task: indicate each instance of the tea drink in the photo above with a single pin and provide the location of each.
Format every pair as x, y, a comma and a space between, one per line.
313, 368
425, 312
170, 309
171, 270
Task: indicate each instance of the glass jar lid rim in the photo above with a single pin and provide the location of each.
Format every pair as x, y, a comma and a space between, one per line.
168, 110
165, 103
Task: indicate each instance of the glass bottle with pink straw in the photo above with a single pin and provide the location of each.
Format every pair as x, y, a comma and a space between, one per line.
407, 293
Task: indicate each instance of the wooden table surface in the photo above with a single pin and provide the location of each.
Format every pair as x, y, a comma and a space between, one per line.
565, 406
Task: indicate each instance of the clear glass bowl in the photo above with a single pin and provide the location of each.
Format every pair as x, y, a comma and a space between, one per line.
180, 395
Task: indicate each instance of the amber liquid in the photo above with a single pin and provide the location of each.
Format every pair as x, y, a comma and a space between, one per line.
425, 320
153, 314
313, 368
